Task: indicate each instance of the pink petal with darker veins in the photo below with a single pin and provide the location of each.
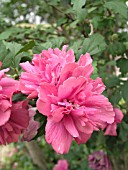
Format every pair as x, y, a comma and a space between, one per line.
111, 128
118, 115
70, 126
83, 138
58, 136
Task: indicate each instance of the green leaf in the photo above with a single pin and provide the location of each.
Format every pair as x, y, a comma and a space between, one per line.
95, 21
116, 97
116, 48
118, 7
13, 47
12, 54
94, 44
19, 97
27, 47
112, 81
61, 21
91, 9
5, 35
57, 42
81, 14
100, 139
8, 61
78, 4
26, 56
3, 51
44, 46
123, 131
17, 59
123, 65
47, 45
77, 7
124, 90
6, 56
37, 49
76, 45
111, 63
95, 72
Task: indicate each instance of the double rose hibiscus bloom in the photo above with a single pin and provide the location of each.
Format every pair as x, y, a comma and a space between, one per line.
65, 93
68, 96
15, 117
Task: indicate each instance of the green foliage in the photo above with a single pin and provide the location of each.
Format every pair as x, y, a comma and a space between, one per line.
118, 7
26, 47
94, 44
124, 90
19, 97
116, 48
12, 53
123, 65
95, 72
123, 129
5, 35
79, 11
112, 81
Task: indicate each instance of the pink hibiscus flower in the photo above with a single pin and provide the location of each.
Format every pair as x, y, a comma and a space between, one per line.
61, 165
75, 108
47, 67
14, 119
111, 128
99, 160
13, 116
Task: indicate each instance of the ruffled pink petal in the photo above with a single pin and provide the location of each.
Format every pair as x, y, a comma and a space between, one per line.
118, 115
58, 136
17, 122
4, 116
9, 86
58, 114
100, 102
70, 87
83, 126
44, 101
5, 111
33, 95
26, 66
98, 85
20, 114
29, 84
70, 126
111, 129
85, 60
67, 72
83, 138
84, 71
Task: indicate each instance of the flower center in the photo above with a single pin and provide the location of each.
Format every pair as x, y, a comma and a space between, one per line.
68, 105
